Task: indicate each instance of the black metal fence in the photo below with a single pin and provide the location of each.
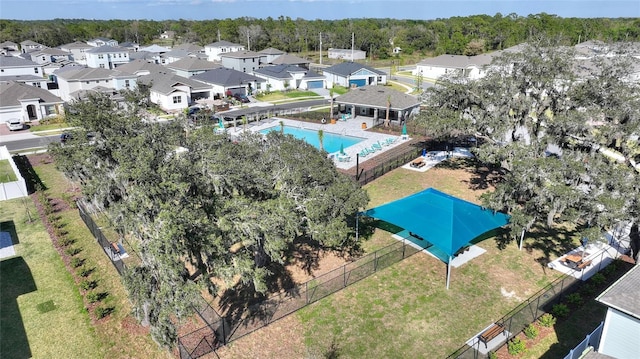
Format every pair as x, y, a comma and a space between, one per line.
538, 304
221, 330
365, 176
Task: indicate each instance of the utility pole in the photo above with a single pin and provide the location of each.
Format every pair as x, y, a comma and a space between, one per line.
248, 43
218, 35
353, 37
320, 48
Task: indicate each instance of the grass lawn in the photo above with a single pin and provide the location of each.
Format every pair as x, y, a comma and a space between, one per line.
48, 127
6, 172
405, 310
119, 335
290, 95
42, 312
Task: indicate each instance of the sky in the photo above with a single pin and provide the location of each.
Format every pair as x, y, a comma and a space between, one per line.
307, 9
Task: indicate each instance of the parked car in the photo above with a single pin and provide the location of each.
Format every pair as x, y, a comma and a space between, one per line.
242, 98
193, 110
15, 124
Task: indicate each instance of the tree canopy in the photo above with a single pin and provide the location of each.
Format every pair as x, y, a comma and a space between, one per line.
457, 35
564, 132
201, 206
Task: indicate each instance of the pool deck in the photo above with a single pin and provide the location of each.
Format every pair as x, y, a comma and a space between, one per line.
351, 127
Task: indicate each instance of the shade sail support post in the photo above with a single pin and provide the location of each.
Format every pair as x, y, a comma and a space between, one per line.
357, 218
449, 271
521, 239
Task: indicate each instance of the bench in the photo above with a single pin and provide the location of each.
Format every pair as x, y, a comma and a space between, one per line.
495, 330
584, 264
115, 248
418, 163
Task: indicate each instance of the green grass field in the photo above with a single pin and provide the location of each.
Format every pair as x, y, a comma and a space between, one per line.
42, 312
6, 172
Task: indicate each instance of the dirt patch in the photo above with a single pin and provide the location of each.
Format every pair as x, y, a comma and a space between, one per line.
543, 332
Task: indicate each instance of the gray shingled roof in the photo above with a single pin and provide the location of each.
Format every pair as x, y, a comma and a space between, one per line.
12, 92
289, 60
76, 45
243, 54
193, 64
21, 78
141, 55
346, 69
271, 51
8, 44
189, 47
223, 43
376, 96
226, 77
106, 49
13, 61
624, 294
51, 51
164, 82
88, 73
313, 75
279, 71
140, 65
30, 43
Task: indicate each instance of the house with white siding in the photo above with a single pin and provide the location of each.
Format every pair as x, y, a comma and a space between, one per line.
102, 41
78, 51
76, 80
289, 77
107, 57
224, 81
245, 61
190, 66
28, 46
214, 50
172, 92
14, 66
27, 103
353, 74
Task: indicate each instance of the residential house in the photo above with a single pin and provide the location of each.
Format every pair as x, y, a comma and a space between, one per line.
8, 47
102, 41
288, 59
78, 51
472, 67
270, 54
107, 57
190, 66
141, 68
74, 81
172, 92
48, 55
621, 329
375, 101
224, 81
14, 66
28, 46
214, 50
32, 80
191, 48
143, 55
27, 103
245, 61
353, 74
168, 34
287, 77
346, 54
131, 46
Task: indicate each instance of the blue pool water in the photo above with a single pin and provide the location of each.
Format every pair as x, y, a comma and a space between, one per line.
331, 141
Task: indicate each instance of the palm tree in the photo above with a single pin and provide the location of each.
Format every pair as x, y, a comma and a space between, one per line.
320, 138
282, 127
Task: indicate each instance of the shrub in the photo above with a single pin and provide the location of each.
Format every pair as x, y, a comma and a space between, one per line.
531, 331
598, 279
65, 241
88, 284
85, 272
93, 297
610, 269
547, 320
588, 289
76, 262
102, 312
560, 310
72, 251
575, 299
516, 346
493, 355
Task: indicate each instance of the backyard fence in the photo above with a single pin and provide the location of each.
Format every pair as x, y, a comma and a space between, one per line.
409, 154
221, 330
538, 304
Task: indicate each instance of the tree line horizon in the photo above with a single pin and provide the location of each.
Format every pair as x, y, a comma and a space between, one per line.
469, 35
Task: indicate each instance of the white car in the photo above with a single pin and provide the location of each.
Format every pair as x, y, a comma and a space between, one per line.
15, 125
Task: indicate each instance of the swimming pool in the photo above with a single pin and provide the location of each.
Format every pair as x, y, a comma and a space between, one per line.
331, 141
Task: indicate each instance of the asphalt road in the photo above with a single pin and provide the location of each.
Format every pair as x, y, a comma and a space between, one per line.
20, 143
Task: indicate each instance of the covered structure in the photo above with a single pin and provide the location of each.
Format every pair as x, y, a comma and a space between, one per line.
447, 222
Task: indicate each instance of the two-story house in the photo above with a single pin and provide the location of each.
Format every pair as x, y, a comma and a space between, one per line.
9, 47
28, 46
245, 61
102, 41
78, 51
17, 66
353, 74
107, 57
73, 81
270, 54
48, 55
214, 50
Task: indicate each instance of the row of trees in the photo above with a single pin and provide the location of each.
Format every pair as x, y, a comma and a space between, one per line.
564, 136
457, 35
200, 208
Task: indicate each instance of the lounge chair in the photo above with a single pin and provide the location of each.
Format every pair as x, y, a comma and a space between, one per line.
364, 153
377, 146
391, 140
383, 143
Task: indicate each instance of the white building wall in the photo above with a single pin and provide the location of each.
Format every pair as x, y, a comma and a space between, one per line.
36, 70
95, 60
620, 336
124, 83
213, 53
